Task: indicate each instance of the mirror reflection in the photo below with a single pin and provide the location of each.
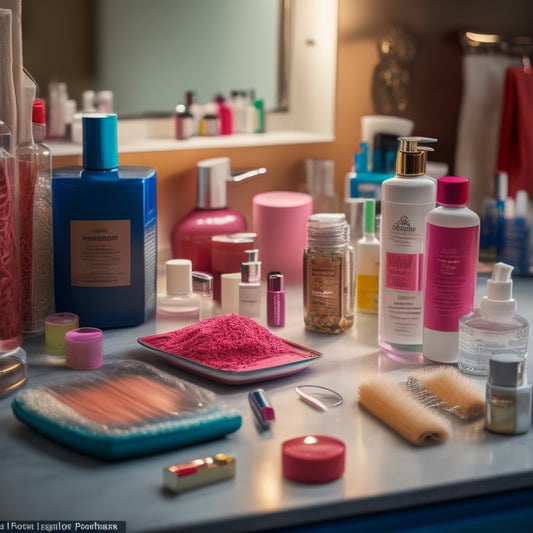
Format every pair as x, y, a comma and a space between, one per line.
151, 53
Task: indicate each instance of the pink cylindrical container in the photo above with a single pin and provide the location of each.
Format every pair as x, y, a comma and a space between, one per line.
280, 221
227, 255
83, 348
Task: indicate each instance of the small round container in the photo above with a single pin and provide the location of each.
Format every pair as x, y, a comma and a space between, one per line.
313, 459
13, 370
83, 348
227, 255
55, 328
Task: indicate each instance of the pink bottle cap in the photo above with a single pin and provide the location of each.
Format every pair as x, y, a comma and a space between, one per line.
452, 190
313, 459
83, 348
280, 221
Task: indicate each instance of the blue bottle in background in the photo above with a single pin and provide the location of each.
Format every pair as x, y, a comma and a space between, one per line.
105, 233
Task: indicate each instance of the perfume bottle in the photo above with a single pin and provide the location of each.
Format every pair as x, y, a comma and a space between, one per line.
105, 233
35, 170
203, 287
250, 285
328, 272
179, 300
493, 328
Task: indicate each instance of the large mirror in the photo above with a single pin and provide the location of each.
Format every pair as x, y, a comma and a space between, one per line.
150, 53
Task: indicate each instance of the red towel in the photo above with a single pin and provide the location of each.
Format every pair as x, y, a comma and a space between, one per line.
516, 135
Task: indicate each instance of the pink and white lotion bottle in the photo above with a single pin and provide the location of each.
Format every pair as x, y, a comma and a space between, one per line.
406, 200
450, 268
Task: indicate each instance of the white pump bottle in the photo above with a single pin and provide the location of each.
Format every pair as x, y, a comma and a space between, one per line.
406, 200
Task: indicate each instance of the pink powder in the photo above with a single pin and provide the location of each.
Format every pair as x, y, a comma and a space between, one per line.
225, 342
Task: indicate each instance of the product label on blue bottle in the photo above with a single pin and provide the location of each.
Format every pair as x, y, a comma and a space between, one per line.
100, 253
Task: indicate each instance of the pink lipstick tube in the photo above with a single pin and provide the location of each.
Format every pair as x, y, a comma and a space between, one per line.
275, 299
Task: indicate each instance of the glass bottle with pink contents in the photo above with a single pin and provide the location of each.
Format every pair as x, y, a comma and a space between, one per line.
35, 218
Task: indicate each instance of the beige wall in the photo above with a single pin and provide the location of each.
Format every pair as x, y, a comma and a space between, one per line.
434, 98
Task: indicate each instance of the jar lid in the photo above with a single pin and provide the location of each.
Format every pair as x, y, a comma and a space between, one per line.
328, 230
313, 458
507, 370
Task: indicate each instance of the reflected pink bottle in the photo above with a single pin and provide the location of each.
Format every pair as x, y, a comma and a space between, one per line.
275, 299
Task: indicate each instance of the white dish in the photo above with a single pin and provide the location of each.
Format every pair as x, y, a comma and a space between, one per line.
264, 370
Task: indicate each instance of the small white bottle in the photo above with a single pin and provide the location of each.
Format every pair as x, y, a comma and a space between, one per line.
493, 328
406, 200
202, 286
450, 268
250, 286
179, 301
508, 394
367, 263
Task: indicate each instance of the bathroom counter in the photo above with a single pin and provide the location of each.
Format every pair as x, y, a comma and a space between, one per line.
42, 480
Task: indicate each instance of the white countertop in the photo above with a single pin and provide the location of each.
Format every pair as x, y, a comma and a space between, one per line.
42, 480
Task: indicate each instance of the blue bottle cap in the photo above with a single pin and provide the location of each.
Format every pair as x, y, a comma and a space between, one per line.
100, 146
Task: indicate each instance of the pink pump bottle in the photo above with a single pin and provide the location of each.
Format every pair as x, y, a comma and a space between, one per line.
191, 236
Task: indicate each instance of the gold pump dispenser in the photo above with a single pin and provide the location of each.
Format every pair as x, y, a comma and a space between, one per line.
411, 158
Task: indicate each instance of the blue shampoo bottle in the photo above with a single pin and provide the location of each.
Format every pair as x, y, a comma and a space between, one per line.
105, 233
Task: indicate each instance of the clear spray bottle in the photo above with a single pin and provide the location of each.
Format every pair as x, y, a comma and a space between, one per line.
494, 328
406, 200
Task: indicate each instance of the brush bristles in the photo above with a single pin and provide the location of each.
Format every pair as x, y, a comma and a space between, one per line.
392, 403
453, 388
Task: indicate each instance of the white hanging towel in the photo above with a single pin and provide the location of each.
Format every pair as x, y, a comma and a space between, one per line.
476, 151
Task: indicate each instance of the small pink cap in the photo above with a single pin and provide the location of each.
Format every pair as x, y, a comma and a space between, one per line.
452, 190
38, 112
83, 348
313, 459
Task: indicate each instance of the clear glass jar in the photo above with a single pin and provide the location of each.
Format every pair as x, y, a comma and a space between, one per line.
328, 277
480, 339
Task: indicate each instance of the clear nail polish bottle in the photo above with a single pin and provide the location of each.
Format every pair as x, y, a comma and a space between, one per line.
509, 396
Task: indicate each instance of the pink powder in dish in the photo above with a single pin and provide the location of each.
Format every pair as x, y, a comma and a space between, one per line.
226, 342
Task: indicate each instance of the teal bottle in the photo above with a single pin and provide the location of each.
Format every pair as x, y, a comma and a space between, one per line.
104, 233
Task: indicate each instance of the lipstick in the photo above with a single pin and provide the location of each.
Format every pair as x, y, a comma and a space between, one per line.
275, 299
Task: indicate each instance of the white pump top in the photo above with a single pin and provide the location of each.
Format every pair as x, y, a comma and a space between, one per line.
213, 175
499, 304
